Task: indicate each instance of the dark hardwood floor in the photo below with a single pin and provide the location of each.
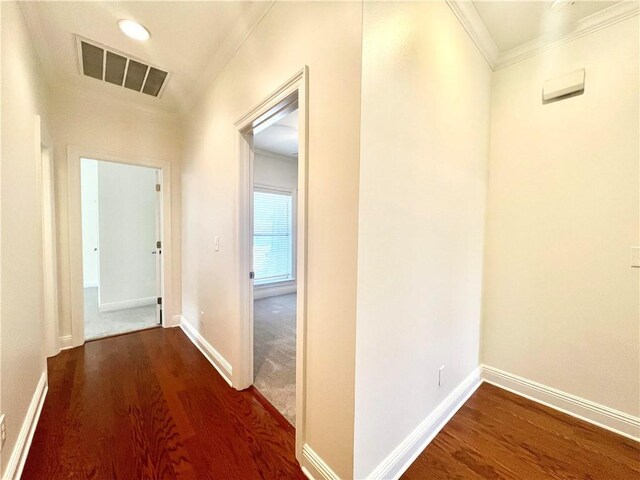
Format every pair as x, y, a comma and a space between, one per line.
499, 435
148, 405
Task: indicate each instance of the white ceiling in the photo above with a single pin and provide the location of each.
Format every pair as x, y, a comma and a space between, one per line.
192, 40
281, 138
512, 23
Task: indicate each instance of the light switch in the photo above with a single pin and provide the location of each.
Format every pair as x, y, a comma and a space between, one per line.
216, 243
635, 257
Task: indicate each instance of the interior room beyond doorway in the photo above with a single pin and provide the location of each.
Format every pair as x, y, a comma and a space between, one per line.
121, 257
275, 173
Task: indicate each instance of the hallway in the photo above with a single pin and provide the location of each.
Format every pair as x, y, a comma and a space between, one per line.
149, 405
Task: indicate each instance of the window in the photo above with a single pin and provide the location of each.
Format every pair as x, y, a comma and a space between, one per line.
272, 236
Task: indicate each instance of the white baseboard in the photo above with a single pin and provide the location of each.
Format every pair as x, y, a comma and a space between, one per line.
404, 454
314, 467
133, 303
218, 361
605, 417
174, 322
66, 342
265, 291
25, 436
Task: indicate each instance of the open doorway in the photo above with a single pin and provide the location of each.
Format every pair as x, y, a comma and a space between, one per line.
121, 249
273, 341
275, 184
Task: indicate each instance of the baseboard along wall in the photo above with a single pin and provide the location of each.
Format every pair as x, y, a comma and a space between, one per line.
399, 460
25, 436
223, 367
124, 304
266, 291
594, 413
314, 467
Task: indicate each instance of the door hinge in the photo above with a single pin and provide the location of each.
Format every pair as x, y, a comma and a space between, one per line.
252, 275
158, 244
157, 187
159, 300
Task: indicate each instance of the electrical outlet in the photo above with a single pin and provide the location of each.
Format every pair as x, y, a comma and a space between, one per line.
3, 432
441, 376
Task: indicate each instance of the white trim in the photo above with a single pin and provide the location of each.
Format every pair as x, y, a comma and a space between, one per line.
314, 467
260, 116
273, 290
223, 367
66, 342
91, 284
175, 322
594, 413
124, 304
25, 436
477, 30
404, 454
585, 26
472, 23
74, 205
45, 169
232, 43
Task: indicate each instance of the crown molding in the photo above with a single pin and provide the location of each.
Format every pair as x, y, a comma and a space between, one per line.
232, 43
474, 26
585, 26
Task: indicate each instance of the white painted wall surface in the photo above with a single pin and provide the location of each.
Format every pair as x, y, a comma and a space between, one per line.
327, 38
127, 229
22, 360
424, 153
90, 240
561, 305
275, 171
108, 126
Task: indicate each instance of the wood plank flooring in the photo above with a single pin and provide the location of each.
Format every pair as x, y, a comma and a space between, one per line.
148, 405
499, 435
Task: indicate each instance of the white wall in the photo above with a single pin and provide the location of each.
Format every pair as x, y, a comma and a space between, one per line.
90, 242
22, 350
127, 225
272, 170
327, 38
562, 306
111, 127
424, 153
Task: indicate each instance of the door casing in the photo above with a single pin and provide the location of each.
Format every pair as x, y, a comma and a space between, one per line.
276, 105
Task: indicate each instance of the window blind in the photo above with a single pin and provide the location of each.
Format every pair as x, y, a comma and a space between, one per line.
272, 237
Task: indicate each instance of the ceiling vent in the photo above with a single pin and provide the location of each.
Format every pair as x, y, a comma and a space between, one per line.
108, 65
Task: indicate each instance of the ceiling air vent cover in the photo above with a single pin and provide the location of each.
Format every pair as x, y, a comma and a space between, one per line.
109, 65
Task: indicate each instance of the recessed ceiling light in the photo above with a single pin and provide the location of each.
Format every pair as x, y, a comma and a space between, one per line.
561, 4
134, 30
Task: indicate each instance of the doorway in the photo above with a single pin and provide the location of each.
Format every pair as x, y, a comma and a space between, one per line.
121, 247
275, 182
278, 273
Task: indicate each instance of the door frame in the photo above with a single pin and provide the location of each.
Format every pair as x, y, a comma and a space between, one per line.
46, 168
76, 285
266, 113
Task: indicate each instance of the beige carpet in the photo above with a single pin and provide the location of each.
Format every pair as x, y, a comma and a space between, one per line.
105, 324
274, 347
